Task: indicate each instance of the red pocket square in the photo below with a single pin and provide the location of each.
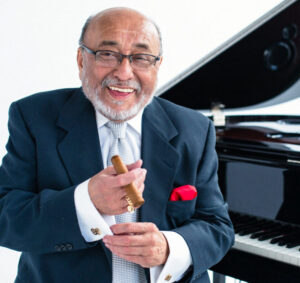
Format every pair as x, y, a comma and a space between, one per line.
186, 192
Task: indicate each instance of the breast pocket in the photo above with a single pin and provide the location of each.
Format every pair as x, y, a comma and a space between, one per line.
180, 211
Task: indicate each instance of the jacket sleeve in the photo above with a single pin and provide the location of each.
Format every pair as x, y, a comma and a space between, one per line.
209, 233
33, 219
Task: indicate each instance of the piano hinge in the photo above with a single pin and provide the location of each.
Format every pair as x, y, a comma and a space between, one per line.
293, 161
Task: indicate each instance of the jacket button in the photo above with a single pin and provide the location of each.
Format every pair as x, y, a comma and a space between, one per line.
69, 247
57, 248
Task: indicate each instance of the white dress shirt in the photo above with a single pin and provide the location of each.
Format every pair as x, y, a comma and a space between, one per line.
89, 217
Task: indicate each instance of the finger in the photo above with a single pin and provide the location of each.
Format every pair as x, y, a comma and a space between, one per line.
137, 164
128, 251
122, 210
139, 255
109, 170
133, 227
140, 182
141, 188
127, 178
127, 240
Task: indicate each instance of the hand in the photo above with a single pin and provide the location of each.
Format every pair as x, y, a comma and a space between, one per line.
106, 188
141, 243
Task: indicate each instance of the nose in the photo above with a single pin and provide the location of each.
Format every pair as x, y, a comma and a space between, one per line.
124, 70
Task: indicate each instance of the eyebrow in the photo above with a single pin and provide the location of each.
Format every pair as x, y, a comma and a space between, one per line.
108, 43
115, 43
142, 46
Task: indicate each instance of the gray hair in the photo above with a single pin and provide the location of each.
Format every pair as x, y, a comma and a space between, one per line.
90, 18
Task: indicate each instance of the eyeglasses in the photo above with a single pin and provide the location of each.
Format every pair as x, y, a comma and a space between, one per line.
111, 59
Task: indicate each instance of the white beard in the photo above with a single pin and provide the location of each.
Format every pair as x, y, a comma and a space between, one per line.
93, 95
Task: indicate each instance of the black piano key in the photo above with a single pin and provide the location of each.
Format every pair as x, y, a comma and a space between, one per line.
252, 222
285, 237
275, 240
266, 229
270, 231
281, 240
288, 238
270, 235
293, 244
284, 242
254, 228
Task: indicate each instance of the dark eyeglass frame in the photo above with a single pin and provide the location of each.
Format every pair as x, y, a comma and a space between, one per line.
122, 56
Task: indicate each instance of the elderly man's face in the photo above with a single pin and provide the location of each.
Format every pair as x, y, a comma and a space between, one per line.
120, 92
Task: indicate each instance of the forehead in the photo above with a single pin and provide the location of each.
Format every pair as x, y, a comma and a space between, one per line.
123, 31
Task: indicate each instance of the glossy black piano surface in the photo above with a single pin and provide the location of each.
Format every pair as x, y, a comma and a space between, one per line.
259, 175
259, 155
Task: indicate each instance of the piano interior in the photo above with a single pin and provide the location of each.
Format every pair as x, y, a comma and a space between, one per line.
259, 155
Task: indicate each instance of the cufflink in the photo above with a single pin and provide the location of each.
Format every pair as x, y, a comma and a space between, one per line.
168, 277
96, 231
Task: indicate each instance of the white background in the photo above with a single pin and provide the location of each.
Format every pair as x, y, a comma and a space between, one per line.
39, 39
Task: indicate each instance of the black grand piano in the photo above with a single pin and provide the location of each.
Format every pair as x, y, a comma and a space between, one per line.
259, 154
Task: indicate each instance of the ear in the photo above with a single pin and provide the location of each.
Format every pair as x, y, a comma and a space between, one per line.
80, 61
161, 59
158, 63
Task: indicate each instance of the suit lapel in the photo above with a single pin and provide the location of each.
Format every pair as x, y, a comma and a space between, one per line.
79, 149
81, 154
160, 159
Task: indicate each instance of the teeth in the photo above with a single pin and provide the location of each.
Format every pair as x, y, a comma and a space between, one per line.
121, 89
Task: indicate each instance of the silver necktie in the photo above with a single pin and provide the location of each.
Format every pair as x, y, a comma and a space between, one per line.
124, 271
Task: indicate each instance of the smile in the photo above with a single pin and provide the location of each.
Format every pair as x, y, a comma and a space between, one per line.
124, 90
120, 94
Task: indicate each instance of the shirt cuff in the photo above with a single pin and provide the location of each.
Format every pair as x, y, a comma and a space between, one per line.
93, 225
177, 263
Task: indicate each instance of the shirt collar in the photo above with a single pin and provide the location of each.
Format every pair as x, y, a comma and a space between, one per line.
135, 122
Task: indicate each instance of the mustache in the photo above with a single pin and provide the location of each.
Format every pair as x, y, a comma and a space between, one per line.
116, 82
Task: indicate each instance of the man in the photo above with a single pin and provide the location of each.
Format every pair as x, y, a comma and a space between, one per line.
62, 204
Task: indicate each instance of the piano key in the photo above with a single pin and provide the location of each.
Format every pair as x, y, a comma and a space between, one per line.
266, 229
293, 244
270, 235
285, 240
254, 226
250, 230
266, 249
277, 232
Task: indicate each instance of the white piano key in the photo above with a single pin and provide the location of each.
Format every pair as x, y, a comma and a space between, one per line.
266, 249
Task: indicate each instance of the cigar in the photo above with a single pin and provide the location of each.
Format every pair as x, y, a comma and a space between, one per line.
133, 196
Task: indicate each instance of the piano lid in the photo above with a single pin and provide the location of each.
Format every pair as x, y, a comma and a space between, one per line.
258, 64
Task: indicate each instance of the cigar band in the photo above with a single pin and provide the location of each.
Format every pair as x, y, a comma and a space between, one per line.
130, 206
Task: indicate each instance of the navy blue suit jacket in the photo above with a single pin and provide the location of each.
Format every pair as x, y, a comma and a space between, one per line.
54, 146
